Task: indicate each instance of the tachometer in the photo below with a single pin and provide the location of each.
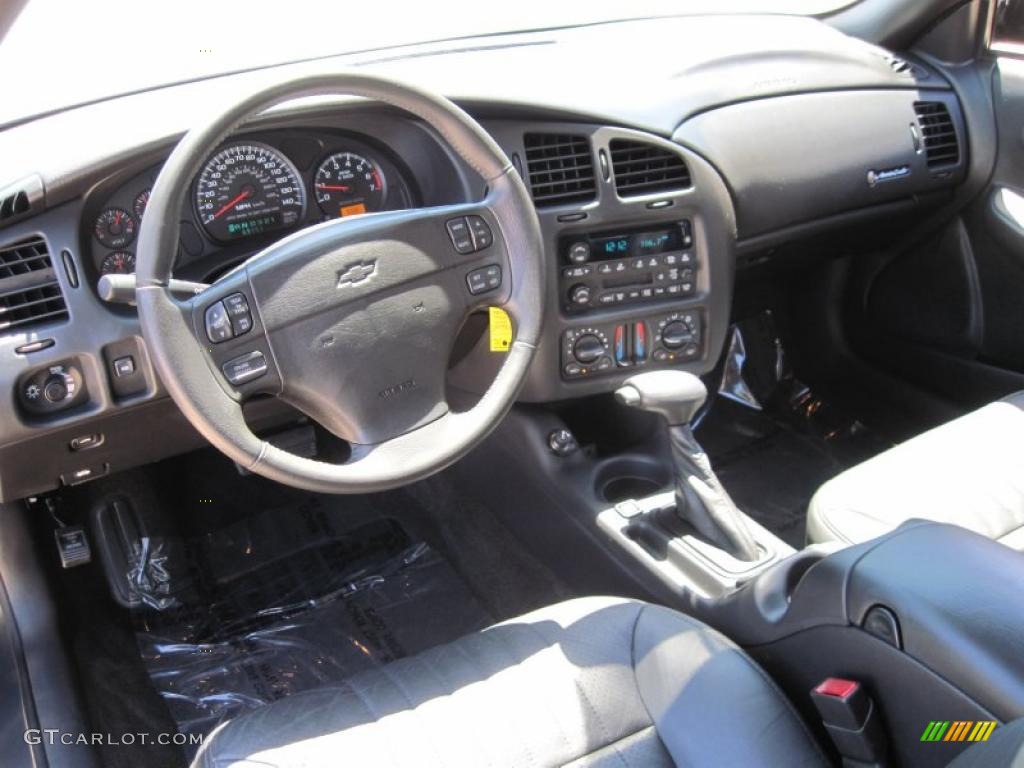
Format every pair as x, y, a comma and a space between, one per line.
347, 184
246, 189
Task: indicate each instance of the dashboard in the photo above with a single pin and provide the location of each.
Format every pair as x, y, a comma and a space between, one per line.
252, 190
653, 181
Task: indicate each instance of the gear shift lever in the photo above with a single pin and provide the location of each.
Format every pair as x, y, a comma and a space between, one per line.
700, 498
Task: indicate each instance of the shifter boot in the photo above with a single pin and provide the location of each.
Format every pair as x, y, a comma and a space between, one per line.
700, 498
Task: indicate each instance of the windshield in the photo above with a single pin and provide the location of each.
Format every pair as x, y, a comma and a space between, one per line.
70, 52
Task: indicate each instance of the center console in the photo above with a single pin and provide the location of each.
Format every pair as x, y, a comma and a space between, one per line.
639, 239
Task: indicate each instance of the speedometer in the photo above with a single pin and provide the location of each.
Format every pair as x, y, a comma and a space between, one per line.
246, 189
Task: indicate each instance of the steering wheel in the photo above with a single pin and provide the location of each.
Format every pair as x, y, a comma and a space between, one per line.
351, 321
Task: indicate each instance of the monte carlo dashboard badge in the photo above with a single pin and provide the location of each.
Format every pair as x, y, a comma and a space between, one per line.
356, 273
888, 174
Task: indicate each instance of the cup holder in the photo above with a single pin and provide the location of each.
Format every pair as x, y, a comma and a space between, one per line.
635, 478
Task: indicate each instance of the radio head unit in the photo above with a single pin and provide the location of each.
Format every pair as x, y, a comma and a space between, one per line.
627, 266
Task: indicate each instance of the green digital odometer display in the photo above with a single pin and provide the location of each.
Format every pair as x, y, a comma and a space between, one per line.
247, 189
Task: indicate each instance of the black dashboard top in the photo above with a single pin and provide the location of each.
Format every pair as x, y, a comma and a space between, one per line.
686, 65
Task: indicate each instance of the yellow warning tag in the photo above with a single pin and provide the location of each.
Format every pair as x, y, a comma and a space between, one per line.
501, 329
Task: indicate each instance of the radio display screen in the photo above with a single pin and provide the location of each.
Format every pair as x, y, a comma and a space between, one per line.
636, 244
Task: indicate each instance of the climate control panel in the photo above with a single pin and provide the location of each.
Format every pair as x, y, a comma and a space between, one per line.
664, 339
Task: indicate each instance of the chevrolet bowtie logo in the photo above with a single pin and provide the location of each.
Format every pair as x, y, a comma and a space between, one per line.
356, 273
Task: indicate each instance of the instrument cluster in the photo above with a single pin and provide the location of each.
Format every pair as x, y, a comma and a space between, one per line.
251, 191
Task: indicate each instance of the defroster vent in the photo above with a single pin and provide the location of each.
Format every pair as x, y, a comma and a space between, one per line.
29, 291
560, 168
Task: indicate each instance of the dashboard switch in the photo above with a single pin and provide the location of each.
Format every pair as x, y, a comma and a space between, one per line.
621, 354
245, 368
124, 366
640, 342
218, 323
57, 388
458, 231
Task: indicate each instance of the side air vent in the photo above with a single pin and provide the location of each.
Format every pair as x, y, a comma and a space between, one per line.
938, 134
560, 168
29, 291
18, 199
640, 168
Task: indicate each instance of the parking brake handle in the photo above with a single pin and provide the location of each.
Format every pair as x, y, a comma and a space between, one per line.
700, 498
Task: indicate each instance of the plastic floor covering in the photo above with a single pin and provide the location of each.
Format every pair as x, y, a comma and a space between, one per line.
286, 601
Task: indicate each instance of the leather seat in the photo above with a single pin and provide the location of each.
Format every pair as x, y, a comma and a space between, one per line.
969, 472
590, 682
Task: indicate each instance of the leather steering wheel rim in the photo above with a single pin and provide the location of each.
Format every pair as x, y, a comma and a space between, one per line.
424, 443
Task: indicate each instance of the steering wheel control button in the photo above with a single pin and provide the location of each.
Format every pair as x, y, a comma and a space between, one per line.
482, 237
484, 279
124, 366
579, 252
245, 368
218, 323
458, 231
238, 310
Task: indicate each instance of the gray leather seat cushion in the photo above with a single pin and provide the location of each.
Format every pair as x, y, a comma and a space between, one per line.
590, 682
969, 472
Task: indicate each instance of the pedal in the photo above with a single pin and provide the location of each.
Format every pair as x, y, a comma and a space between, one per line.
72, 546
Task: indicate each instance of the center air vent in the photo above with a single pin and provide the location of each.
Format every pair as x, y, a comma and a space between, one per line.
642, 169
938, 134
560, 168
29, 291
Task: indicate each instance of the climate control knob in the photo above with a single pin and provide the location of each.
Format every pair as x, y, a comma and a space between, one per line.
588, 348
579, 294
676, 334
